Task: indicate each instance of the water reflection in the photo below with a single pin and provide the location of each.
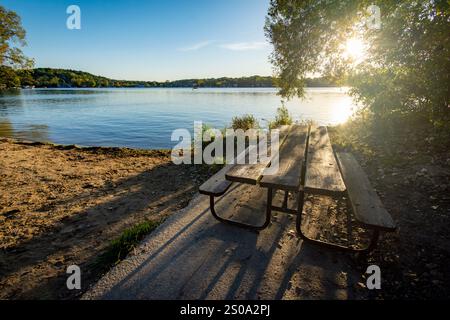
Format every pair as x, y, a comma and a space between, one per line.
6, 129
33, 132
10, 92
10, 100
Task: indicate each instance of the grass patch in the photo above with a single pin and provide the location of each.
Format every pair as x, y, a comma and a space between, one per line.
123, 245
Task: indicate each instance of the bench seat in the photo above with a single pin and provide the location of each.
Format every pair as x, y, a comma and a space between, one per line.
365, 202
217, 185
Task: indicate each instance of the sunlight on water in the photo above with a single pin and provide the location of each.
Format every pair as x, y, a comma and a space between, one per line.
342, 111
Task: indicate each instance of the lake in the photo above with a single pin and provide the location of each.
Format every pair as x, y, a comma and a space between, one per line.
145, 118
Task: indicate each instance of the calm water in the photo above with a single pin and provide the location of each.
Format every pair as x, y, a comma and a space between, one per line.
145, 118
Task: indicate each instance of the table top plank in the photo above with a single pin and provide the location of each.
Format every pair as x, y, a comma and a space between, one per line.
246, 173
322, 171
291, 157
252, 173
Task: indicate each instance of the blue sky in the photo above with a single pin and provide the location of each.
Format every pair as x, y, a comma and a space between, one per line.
149, 39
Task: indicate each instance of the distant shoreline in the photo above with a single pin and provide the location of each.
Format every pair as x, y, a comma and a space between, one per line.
56, 88
64, 78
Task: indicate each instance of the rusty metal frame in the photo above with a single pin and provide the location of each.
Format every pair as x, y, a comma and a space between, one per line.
329, 245
241, 224
299, 212
269, 209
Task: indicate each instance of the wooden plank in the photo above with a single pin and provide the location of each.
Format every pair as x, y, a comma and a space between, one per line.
322, 171
291, 157
252, 173
217, 185
246, 173
284, 131
365, 202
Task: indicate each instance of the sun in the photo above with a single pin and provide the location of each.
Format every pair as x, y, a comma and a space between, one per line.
355, 49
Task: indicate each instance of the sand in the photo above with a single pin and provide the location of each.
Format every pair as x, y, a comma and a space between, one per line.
63, 205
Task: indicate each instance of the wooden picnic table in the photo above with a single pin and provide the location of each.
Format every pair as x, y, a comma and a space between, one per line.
307, 164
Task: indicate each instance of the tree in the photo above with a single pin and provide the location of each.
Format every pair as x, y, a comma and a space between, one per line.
26, 77
8, 78
406, 67
12, 36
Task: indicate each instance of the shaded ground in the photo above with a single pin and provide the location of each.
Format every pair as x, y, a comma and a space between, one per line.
61, 207
409, 165
193, 256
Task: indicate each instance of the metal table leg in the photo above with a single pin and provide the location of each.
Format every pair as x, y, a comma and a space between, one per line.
329, 245
241, 224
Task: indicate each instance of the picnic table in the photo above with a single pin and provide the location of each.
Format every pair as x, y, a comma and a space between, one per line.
307, 164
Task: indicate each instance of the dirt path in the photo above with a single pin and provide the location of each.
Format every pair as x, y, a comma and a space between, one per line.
192, 256
63, 207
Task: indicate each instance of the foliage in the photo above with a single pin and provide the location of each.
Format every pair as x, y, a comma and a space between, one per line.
245, 122
406, 68
400, 140
12, 37
250, 82
8, 78
409, 67
62, 78
306, 37
282, 118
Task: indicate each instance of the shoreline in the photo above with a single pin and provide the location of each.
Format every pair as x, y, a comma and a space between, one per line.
58, 146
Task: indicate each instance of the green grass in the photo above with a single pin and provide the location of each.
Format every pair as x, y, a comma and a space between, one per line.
123, 245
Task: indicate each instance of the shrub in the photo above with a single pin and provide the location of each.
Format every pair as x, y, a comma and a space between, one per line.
245, 122
282, 118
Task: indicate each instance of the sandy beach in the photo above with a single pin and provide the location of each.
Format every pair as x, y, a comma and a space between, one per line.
63, 205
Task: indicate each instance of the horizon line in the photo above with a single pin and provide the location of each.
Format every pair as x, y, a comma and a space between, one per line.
167, 80
161, 81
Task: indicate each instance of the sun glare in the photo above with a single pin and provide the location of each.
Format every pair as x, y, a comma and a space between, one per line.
343, 110
355, 48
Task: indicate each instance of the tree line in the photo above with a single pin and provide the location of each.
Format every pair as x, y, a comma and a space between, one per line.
62, 78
